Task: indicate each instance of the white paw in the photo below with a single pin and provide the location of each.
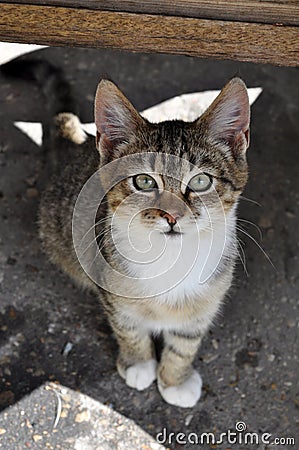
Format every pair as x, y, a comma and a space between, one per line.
185, 395
141, 375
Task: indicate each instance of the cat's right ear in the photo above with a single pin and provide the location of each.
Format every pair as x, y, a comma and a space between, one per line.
115, 117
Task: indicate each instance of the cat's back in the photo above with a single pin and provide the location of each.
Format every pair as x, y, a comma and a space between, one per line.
72, 164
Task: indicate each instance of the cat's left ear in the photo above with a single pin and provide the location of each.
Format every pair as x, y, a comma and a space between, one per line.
115, 117
227, 119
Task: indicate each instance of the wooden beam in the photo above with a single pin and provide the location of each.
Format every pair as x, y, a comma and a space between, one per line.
64, 26
285, 12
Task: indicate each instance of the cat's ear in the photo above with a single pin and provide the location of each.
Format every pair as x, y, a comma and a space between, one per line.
115, 117
227, 119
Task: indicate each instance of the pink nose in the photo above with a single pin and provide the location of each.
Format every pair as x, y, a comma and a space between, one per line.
171, 218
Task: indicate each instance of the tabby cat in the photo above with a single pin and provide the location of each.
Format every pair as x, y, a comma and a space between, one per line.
164, 226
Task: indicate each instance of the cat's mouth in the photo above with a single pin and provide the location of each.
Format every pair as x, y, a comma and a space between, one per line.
172, 233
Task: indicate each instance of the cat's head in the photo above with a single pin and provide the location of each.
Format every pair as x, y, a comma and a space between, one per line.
174, 177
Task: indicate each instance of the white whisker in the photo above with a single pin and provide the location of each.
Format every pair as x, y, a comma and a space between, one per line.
99, 222
254, 225
257, 244
250, 200
242, 255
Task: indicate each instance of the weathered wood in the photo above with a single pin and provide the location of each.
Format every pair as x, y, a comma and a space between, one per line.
149, 33
284, 12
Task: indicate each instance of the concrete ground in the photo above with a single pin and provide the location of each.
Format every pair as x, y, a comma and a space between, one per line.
51, 331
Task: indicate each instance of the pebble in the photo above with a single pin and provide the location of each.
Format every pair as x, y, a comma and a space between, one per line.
10, 97
51, 328
67, 348
264, 222
188, 419
64, 413
209, 358
215, 344
2, 430
32, 193
290, 214
83, 416
37, 437
38, 373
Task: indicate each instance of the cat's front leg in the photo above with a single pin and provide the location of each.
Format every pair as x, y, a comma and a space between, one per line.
136, 361
178, 382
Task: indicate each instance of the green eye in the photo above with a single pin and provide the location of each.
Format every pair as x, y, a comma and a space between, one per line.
200, 183
144, 182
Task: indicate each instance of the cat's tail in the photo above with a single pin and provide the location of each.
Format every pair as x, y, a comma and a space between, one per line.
61, 119
51, 80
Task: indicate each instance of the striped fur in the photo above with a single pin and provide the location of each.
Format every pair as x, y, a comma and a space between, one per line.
214, 144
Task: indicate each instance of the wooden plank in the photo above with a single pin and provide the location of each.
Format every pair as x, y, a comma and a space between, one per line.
149, 33
284, 12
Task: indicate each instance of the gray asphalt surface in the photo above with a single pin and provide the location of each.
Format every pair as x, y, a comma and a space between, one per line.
249, 359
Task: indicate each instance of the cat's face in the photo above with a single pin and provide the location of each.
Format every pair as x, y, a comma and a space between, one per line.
178, 178
172, 197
